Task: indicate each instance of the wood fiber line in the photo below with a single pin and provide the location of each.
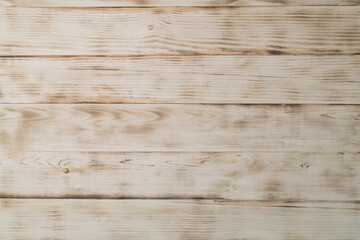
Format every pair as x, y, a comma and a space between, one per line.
163, 127
286, 176
179, 30
147, 3
182, 79
169, 219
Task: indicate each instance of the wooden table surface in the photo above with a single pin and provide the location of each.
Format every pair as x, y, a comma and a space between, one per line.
180, 119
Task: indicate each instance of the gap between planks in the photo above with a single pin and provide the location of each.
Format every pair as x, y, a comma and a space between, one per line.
161, 3
190, 54
199, 199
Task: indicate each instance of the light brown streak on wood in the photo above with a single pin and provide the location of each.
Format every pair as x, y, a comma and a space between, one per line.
249, 203
56, 98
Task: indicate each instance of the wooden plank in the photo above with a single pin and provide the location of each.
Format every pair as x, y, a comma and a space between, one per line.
169, 219
137, 3
173, 127
181, 30
262, 176
179, 79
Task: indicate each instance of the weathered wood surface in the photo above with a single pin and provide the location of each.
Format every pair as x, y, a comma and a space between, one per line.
170, 219
141, 3
173, 127
134, 171
234, 175
182, 79
149, 31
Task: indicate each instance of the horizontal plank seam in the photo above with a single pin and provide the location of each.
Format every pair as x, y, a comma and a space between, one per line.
114, 198
200, 104
179, 103
179, 6
230, 151
240, 151
176, 151
180, 55
220, 200
182, 6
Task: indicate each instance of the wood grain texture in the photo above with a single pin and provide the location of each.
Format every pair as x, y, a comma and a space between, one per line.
164, 127
262, 176
179, 30
168, 219
179, 79
141, 3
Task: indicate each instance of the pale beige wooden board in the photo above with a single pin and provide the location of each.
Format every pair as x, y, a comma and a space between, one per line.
179, 79
173, 127
181, 30
262, 176
176, 219
142, 3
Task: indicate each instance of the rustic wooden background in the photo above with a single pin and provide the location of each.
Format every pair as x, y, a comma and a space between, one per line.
180, 119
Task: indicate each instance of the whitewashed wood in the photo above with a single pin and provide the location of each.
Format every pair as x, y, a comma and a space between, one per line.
237, 175
126, 3
202, 79
172, 127
169, 219
182, 30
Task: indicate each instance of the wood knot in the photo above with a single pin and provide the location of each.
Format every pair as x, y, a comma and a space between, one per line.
305, 166
150, 27
66, 170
